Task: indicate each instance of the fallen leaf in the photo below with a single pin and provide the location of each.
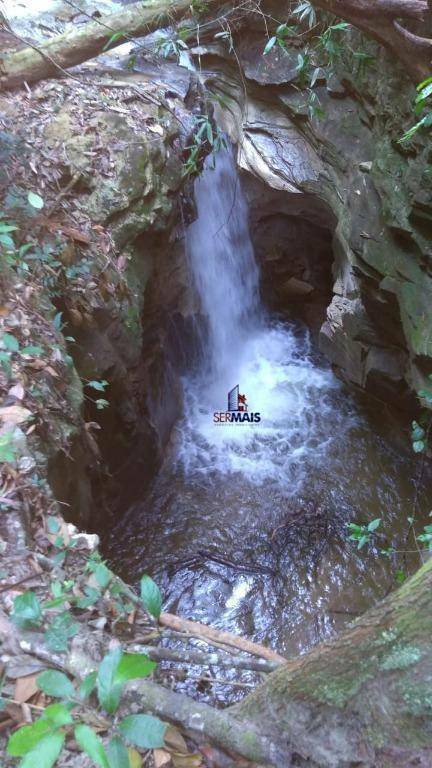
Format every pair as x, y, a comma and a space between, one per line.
51, 371
161, 757
186, 761
135, 759
156, 129
175, 740
17, 392
25, 688
14, 414
75, 234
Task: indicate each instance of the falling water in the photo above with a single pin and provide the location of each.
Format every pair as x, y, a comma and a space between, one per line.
222, 263
271, 362
271, 499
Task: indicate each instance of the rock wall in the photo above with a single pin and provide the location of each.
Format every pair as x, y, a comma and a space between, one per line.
342, 171
106, 259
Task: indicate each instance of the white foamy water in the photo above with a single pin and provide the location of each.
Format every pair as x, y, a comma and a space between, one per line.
244, 526
272, 363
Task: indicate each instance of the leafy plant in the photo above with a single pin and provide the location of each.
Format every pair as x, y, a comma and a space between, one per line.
329, 43
206, 136
173, 46
426, 536
36, 201
41, 743
282, 32
423, 101
8, 449
113, 39
307, 13
361, 533
151, 596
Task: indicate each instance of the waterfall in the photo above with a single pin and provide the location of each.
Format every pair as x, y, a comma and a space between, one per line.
270, 362
222, 261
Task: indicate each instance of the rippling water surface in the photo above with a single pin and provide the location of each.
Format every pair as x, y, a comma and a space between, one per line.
245, 525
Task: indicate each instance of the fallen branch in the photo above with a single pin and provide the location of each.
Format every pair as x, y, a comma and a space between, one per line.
157, 653
220, 636
71, 48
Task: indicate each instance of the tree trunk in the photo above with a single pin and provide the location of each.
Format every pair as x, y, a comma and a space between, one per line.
363, 699
377, 18
72, 48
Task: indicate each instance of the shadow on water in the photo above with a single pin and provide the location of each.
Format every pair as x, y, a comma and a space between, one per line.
245, 525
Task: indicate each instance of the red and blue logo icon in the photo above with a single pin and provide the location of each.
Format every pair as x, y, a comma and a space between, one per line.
238, 411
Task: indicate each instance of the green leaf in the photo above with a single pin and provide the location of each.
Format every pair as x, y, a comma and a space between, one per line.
91, 597
55, 683
7, 448
46, 752
7, 241
27, 611
133, 666
143, 731
103, 575
108, 689
26, 738
374, 524
91, 744
151, 596
53, 524
57, 322
114, 37
269, 45
7, 227
88, 685
418, 446
10, 342
32, 350
98, 385
58, 714
36, 201
362, 541
61, 629
101, 404
118, 756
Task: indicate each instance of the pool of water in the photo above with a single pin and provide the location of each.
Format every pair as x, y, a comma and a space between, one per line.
245, 526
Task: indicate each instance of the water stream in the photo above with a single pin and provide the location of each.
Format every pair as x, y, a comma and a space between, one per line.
245, 525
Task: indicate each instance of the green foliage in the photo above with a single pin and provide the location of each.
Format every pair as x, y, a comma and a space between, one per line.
143, 731
418, 435
173, 46
62, 628
426, 537
45, 754
91, 744
116, 669
27, 610
8, 449
10, 346
40, 743
282, 32
205, 137
329, 42
113, 39
423, 102
55, 684
36, 201
117, 754
151, 596
306, 13
361, 533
